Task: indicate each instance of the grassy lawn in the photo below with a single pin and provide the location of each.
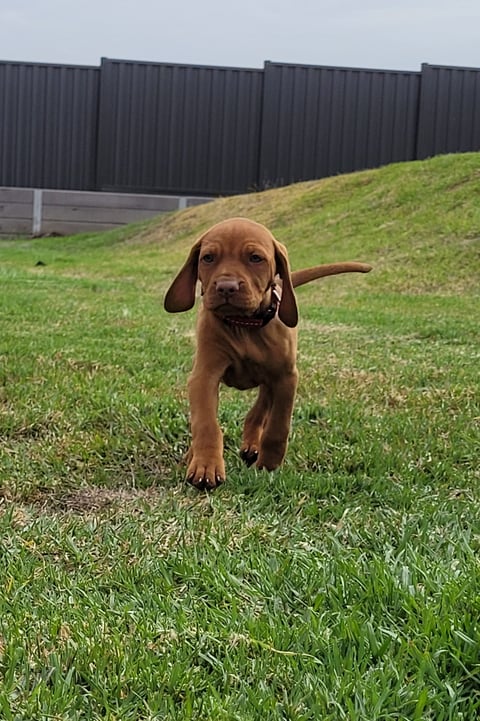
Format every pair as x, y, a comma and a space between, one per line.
346, 585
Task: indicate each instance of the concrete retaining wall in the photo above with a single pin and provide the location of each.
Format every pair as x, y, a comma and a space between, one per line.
27, 211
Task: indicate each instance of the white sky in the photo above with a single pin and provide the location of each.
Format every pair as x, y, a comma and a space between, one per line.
352, 33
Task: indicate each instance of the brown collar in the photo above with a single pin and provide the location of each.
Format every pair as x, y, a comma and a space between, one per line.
259, 319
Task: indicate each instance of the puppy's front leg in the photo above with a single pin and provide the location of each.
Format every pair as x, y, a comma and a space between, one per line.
206, 468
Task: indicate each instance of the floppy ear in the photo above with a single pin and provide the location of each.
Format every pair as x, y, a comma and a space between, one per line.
287, 312
181, 294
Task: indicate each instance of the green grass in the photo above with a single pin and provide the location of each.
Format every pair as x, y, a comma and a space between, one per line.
343, 586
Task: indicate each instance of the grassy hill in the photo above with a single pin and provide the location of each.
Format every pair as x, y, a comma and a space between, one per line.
344, 585
402, 217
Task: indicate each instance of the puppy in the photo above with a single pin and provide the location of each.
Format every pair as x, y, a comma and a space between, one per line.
246, 338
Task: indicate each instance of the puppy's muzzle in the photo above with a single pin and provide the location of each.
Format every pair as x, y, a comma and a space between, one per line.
227, 288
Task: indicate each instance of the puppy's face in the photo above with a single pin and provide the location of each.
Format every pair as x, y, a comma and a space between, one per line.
236, 262
236, 267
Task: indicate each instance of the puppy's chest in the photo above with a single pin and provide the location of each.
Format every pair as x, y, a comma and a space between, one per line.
257, 363
245, 373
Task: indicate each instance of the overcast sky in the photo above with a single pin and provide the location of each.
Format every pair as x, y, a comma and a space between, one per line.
352, 33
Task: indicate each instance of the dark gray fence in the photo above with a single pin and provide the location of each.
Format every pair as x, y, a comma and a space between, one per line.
48, 125
164, 128
449, 115
320, 121
178, 127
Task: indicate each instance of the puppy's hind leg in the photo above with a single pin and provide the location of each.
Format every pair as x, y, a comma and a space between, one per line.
275, 434
255, 422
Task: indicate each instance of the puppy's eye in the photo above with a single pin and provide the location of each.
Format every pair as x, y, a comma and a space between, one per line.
255, 258
208, 258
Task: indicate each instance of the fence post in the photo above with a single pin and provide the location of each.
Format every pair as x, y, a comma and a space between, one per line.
37, 212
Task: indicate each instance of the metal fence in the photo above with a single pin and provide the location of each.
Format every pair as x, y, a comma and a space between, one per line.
449, 111
164, 128
48, 126
320, 121
178, 127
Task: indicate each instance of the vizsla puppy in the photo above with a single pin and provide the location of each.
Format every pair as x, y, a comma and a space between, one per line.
246, 337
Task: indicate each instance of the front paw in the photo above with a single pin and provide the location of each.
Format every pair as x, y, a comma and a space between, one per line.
205, 474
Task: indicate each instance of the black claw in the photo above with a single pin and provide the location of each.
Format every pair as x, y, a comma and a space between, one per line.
248, 457
202, 484
198, 483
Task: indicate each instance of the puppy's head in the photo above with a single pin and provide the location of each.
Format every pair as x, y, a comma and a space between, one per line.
236, 262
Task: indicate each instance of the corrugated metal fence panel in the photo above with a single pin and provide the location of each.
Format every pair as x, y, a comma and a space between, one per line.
171, 128
165, 128
48, 118
449, 118
319, 121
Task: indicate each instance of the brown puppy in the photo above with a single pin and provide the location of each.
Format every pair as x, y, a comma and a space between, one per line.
246, 337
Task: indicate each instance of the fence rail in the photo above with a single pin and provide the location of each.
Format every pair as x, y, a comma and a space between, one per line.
29, 211
162, 128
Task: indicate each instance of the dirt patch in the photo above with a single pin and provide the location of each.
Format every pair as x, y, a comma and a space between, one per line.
95, 499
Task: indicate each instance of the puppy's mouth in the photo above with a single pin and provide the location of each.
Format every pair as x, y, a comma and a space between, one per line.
251, 317
230, 306
227, 308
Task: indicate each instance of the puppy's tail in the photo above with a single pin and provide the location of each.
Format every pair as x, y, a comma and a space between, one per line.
299, 277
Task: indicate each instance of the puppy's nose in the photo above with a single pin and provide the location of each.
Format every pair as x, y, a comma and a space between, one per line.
227, 287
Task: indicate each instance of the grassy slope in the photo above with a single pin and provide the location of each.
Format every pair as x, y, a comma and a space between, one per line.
343, 586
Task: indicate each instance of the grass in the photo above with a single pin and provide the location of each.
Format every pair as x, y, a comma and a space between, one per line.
343, 586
